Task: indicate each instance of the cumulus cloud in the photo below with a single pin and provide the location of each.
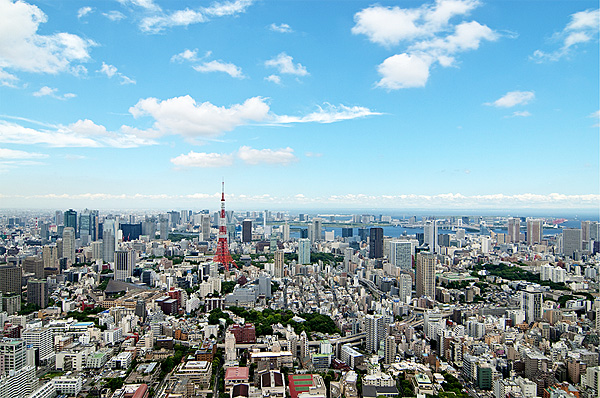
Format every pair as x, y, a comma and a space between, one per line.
83, 11
513, 98
220, 66
253, 156
160, 21
23, 49
428, 34
274, 79
148, 5
328, 114
285, 65
281, 28
83, 133
12, 154
186, 55
52, 92
202, 159
114, 15
583, 27
111, 70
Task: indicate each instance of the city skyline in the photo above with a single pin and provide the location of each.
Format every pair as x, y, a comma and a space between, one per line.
445, 105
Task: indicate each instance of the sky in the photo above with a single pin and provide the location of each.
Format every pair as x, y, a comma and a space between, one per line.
447, 104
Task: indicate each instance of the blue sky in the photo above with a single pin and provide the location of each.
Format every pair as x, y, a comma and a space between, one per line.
299, 104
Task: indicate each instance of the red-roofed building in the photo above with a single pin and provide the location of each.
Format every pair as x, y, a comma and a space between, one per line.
244, 334
236, 375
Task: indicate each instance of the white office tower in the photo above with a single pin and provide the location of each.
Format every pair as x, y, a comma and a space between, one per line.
531, 304
69, 244
425, 275
430, 233
279, 262
535, 230
390, 350
304, 251
405, 290
124, 264
19, 383
42, 339
571, 241
514, 230
109, 239
486, 244
401, 254
375, 328
14, 354
230, 351
285, 232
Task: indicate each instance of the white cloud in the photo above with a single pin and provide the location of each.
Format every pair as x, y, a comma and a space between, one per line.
182, 115
114, 15
429, 35
281, 28
220, 66
202, 159
23, 49
148, 5
7, 79
513, 98
583, 27
186, 55
52, 92
404, 71
161, 21
390, 25
274, 79
12, 154
283, 156
329, 114
111, 70
83, 133
285, 65
521, 114
596, 115
83, 11
313, 154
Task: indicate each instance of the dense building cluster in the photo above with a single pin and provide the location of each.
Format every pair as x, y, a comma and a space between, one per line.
313, 306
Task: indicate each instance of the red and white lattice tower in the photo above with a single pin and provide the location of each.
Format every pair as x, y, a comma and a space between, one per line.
223, 256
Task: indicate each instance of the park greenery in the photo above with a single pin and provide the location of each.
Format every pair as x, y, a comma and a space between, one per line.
516, 273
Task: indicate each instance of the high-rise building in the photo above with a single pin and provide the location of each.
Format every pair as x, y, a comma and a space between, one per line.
205, 226
430, 235
71, 219
531, 303
10, 279
109, 239
571, 241
375, 328
247, 231
401, 254
315, 233
347, 232
390, 350
279, 263
376, 243
14, 353
37, 292
425, 275
124, 264
285, 232
34, 265
69, 244
88, 226
594, 231
405, 288
42, 339
304, 251
163, 219
535, 229
514, 230
50, 256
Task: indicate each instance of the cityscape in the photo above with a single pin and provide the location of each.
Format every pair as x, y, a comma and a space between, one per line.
299, 199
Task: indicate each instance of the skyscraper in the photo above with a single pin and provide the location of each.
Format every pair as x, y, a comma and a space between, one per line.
37, 292
425, 275
247, 231
14, 352
279, 262
109, 239
10, 279
71, 219
376, 243
390, 350
405, 288
304, 251
163, 219
69, 244
430, 232
401, 254
514, 230
285, 232
531, 303
314, 233
205, 226
571, 241
124, 264
375, 328
534, 231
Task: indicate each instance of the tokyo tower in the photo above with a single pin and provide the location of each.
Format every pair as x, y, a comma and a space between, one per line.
223, 256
